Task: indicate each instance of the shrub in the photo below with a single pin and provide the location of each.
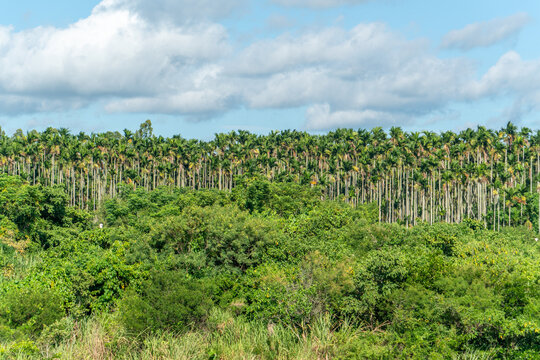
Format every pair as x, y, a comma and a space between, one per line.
282, 198
30, 308
276, 293
230, 239
296, 295
168, 300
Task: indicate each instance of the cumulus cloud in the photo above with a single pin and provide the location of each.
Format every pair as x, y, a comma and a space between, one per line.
358, 74
512, 75
131, 58
318, 4
483, 34
203, 96
362, 47
110, 53
12, 104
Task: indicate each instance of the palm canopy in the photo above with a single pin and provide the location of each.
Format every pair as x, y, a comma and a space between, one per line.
412, 176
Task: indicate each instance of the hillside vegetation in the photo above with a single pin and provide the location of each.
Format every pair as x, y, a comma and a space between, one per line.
265, 270
487, 175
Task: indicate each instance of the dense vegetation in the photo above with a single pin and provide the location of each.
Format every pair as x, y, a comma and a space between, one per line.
266, 270
491, 176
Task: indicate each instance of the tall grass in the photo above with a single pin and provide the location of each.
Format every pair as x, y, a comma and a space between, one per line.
226, 337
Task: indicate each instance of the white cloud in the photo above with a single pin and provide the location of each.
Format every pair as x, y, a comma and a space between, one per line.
360, 73
483, 34
110, 53
123, 58
318, 4
4, 35
191, 102
15, 104
203, 95
176, 11
511, 74
367, 70
320, 117
362, 47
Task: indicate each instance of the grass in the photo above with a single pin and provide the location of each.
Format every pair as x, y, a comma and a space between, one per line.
226, 337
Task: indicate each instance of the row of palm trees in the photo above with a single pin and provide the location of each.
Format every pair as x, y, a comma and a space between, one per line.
487, 175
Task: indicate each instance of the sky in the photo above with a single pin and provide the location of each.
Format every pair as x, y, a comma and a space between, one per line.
200, 67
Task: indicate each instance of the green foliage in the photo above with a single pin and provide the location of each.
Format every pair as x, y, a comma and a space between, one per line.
226, 237
35, 209
257, 195
58, 332
281, 198
23, 349
265, 271
54, 200
168, 300
90, 276
297, 295
29, 309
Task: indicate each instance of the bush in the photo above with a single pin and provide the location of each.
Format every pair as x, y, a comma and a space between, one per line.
168, 300
88, 276
296, 295
228, 239
30, 308
282, 198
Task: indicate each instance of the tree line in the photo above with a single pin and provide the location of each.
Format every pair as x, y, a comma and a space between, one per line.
492, 176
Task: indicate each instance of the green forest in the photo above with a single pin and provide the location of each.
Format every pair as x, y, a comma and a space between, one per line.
356, 244
488, 175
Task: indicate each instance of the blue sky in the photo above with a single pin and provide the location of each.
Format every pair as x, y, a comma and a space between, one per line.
197, 67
